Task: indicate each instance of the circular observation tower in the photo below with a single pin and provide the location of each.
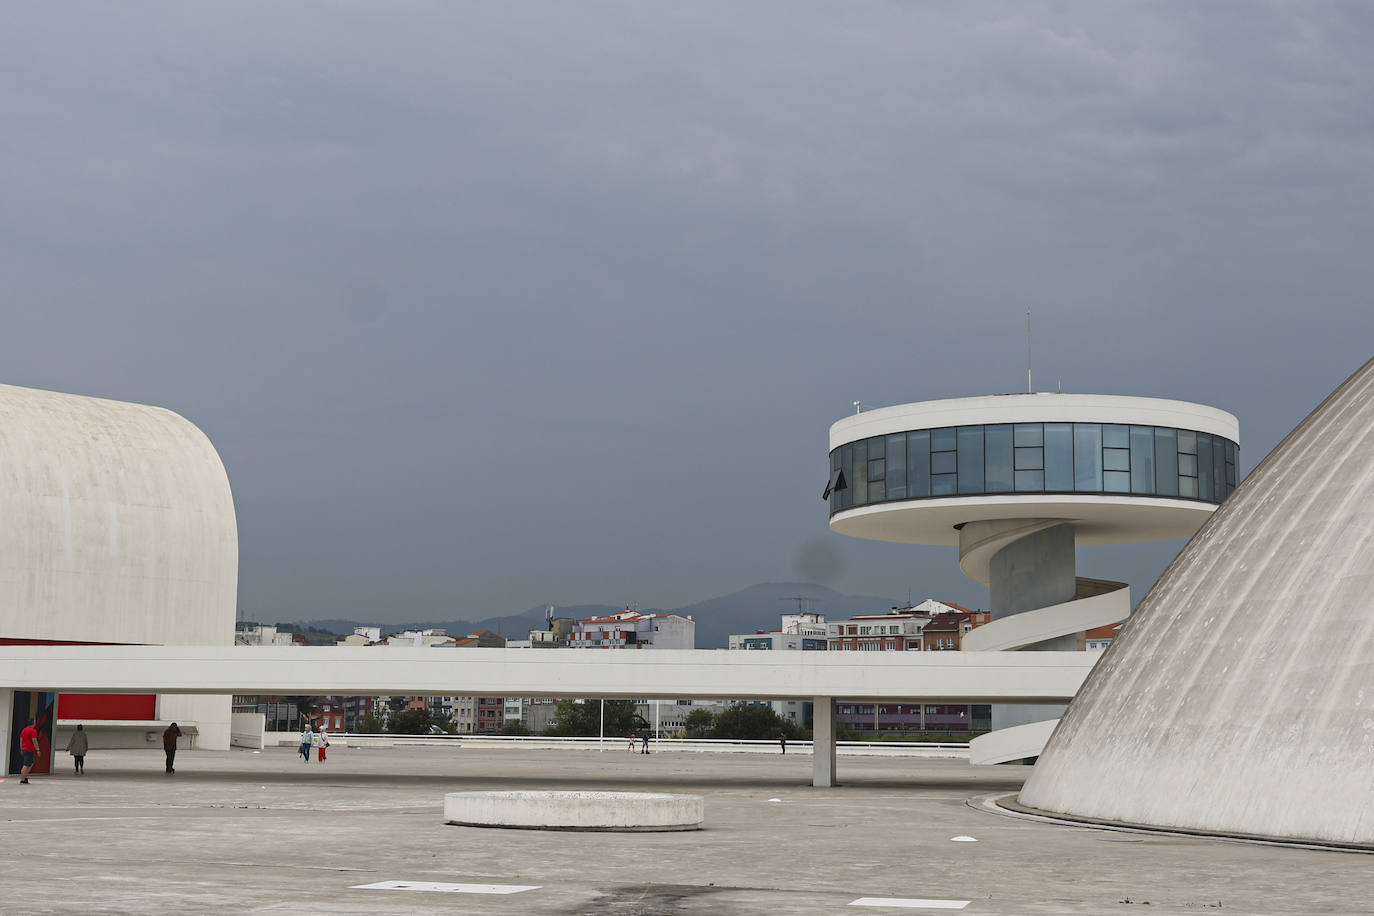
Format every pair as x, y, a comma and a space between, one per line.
1018, 481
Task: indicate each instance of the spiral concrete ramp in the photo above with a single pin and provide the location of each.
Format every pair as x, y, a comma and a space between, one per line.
1099, 603
1240, 700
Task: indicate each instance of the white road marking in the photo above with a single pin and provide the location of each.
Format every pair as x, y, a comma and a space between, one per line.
444, 888
911, 903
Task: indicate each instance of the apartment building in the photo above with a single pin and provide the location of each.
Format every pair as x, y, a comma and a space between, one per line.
630, 629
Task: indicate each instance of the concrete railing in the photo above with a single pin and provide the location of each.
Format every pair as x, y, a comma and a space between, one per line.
621, 744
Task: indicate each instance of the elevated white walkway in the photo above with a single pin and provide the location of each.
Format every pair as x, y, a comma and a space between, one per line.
822, 677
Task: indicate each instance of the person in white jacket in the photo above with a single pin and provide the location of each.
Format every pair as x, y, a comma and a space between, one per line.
321, 741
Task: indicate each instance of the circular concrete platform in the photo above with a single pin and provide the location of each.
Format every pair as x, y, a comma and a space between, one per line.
612, 811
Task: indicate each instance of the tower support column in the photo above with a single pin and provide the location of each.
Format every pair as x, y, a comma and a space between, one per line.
1032, 565
1035, 571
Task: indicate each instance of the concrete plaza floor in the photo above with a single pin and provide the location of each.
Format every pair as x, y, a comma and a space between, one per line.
239, 831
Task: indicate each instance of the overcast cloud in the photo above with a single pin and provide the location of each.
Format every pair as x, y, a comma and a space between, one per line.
491, 305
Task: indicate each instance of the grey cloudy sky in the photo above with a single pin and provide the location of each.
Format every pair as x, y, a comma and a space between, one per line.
492, 305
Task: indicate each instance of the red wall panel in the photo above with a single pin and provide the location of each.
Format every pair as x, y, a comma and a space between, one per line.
124, 706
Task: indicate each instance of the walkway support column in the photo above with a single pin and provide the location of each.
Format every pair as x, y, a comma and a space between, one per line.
6, 713
823, 742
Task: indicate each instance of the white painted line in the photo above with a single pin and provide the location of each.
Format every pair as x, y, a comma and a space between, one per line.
444, 888
911, 903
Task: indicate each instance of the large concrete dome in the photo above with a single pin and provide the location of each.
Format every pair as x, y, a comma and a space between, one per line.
116, 526
1240, 697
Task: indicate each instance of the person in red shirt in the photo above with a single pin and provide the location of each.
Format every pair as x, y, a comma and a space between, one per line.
28, 750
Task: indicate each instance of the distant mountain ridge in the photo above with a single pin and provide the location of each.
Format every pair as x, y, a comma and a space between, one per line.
758, 607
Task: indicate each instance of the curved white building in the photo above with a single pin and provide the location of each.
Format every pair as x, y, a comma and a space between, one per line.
1017, 482
1240, 699
119, 529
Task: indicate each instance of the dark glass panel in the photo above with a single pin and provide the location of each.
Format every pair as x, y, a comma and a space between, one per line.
1059, 457
834, 468
997, 448
1187, 442
1116, 459
944, 484
875, 491
1030, 459
877, 469
971, 459
1218, 468
1087, 457
859, 482
1187, 465
942, 440
1187, 486
1142, 459
847, 462
1115, 436
1029, 434
1116, 481
1166, 461
1030, 481
1204, 466
896, 466
943, 463
876, 448
918, 464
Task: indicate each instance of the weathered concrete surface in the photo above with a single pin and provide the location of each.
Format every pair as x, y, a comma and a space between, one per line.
1240, 696
239, 832
119, 527
543, 809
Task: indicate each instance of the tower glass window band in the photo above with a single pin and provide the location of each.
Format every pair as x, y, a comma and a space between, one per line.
1035, 458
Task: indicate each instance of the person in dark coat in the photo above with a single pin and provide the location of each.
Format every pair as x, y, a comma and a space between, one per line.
782, 740
169, 744
77, 747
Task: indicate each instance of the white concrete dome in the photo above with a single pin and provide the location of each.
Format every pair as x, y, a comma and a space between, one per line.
1237, 699
119, 524
119, 528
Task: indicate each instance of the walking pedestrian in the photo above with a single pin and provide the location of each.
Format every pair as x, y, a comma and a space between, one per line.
169, 745
28, 750
645, 739
77, 746
322, 741
307, 741
633, 738
782, 740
